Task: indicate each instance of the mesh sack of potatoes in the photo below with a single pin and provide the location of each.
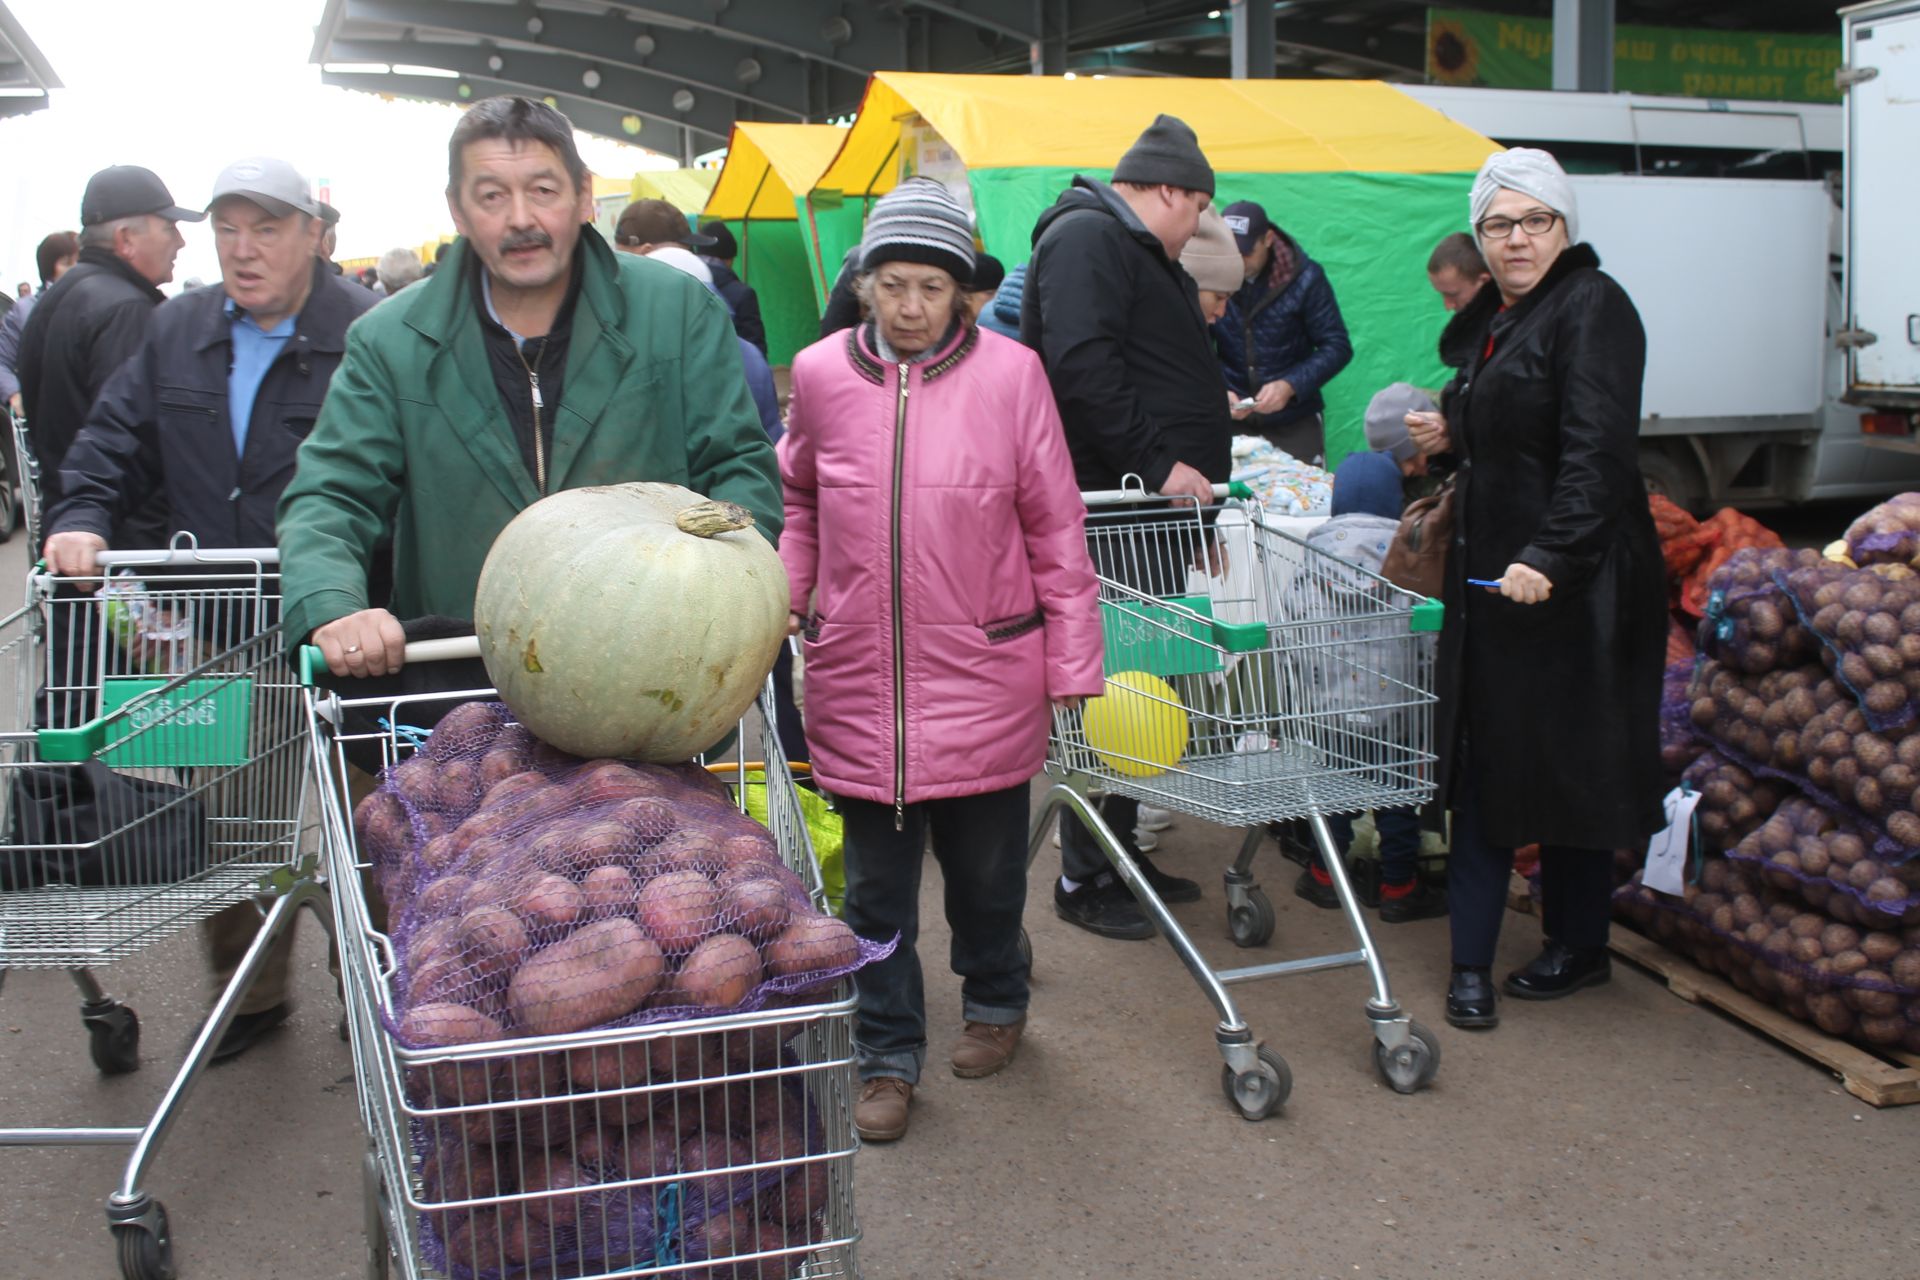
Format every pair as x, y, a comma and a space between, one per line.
1887, 534
1680, 746
1733, 802
1868, 623
1861, 984
1824, 859
1748, 623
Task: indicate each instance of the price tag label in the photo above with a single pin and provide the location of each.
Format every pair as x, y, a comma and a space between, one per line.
1666, 869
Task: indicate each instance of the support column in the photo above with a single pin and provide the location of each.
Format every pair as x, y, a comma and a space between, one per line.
1583, 36
1047, 56
1253, 37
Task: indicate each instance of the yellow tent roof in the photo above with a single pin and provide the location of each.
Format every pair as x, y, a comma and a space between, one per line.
1244, 126
768, 164
684, 189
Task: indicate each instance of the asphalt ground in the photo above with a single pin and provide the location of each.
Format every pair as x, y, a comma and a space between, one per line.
1621, 1133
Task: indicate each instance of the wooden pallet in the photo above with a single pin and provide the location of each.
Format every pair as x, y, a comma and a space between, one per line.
1886, 1078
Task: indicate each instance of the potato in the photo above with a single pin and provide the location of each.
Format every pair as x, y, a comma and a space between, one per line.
475, 1243
1836, 938
384, 829
613, 1066
758, 908
1874, 994
650, 818
457, 788
609, 782
453, 1171
488, 891
524, 1240
503, 759
1904, 826
435, 1026
549, 902
720, 972
678, 909
554, 1172
1880, 947
609, 891
467, 730
715, 1192
492, 941
602, 971
747, 849
812, 944
690, 848
685, 1057
443, 896
437, 977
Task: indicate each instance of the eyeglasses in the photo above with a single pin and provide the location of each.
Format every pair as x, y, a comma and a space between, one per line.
1534, 224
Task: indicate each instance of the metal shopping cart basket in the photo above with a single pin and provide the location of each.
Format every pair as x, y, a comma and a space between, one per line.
21, 499
1303, 690
447, 1197
153, 773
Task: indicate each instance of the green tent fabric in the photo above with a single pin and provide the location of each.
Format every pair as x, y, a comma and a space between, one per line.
1372, 233
772, 255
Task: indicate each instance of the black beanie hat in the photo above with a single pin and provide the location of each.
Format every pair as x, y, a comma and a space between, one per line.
1168, 152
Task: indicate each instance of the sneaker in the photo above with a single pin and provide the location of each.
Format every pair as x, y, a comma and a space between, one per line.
1320, 895
985, 1047
1152, 819
1144, 840
1424, 903
880, 1115
247, 1029
1103, 907
1171, 888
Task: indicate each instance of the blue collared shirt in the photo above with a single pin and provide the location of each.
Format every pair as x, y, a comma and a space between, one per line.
254, 351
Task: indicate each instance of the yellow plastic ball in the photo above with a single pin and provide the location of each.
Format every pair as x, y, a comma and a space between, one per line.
1138, 727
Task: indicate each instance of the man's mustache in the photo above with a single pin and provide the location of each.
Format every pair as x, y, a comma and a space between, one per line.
534, 239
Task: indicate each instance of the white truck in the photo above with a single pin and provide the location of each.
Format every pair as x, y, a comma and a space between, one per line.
1765, 247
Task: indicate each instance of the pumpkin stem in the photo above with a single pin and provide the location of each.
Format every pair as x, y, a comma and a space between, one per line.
709, 519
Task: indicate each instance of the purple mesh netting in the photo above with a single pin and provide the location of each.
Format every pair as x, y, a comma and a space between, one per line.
1868, 621
1732, 801
1748, 624
1679, 745
1887, 534
1825, 861
1861, 984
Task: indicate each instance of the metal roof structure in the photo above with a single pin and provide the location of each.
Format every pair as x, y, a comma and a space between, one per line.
674, 75
25, 75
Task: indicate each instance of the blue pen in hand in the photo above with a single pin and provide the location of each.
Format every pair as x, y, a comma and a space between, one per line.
1484, 582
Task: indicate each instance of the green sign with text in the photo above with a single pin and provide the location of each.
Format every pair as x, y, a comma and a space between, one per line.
1495, 51
198, 723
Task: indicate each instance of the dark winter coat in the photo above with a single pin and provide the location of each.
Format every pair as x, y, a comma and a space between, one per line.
83, 329
742, 301
1560, 700
161, 423
1119, 329
1297, 335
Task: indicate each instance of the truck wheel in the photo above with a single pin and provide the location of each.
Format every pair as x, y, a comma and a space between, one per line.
1672, 479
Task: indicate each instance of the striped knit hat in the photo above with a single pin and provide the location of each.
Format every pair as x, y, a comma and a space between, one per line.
918, 221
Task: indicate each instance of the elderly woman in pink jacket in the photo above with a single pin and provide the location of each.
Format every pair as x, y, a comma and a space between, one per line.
936, 546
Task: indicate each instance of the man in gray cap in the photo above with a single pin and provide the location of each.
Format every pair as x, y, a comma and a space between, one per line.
207, 415
1118, 326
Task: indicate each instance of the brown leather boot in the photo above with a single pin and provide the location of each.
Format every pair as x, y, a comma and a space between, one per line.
880, 1115
985, 1047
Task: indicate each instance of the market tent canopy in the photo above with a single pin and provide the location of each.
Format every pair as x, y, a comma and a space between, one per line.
1244, 126
769, 165
685, 189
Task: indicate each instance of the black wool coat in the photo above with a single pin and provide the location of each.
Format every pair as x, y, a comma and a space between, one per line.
1559, 702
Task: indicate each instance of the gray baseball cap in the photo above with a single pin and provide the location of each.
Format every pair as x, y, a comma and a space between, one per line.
274, 185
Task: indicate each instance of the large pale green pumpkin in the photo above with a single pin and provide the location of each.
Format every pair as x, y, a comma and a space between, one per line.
632, 620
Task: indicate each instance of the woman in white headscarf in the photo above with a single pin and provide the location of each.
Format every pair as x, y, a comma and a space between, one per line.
1549, 678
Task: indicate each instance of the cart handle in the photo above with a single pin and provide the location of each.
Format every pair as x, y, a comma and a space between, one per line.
1137, 492
179, 556
313, 663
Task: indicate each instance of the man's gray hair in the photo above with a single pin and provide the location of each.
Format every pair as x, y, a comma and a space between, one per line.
398, 268
100, 235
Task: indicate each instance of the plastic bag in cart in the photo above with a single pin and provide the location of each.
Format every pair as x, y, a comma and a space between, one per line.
95, 826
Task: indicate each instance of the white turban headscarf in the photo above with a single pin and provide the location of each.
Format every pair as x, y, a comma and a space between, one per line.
1531, 172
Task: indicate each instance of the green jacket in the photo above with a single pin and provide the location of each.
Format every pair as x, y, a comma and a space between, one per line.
413, 442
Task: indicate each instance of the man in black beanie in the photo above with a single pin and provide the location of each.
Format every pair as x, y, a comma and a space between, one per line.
1118, 326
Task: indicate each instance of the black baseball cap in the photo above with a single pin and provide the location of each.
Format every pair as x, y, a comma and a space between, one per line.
126, 190
1248, 222
657, 222
724, 245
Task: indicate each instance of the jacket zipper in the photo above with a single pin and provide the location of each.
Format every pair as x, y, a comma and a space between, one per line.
533, 386
899, 627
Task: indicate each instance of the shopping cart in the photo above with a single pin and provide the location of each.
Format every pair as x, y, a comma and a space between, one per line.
440, 1202
21, 499
1302, 691
166, 780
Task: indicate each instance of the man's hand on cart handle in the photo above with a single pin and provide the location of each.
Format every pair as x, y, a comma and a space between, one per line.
75, 555
1070, 703
1429, 432
367, 643
1184, 482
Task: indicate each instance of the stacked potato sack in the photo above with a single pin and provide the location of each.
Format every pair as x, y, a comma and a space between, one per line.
536, 894
1720, 537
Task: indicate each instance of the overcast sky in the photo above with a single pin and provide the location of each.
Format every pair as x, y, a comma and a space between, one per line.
185, 87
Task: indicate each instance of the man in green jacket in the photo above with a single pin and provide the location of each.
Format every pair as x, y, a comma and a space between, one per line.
535, 359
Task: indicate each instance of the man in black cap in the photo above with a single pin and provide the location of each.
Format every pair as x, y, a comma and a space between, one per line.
1118, 325
330, 239
95, 316
1282, 337
735, 292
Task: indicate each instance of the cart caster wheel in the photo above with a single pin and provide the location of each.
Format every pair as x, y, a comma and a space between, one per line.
113, 1035
1411, 1067
1259, 1093
146, 1252
1251, 922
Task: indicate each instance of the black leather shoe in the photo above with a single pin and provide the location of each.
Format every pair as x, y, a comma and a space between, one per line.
1103, 907
247, 1029
1320, 895
1471, 1003
1171, 888
1558, 971
1424, 903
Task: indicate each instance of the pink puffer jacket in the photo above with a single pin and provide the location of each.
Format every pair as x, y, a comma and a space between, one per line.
939, 525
